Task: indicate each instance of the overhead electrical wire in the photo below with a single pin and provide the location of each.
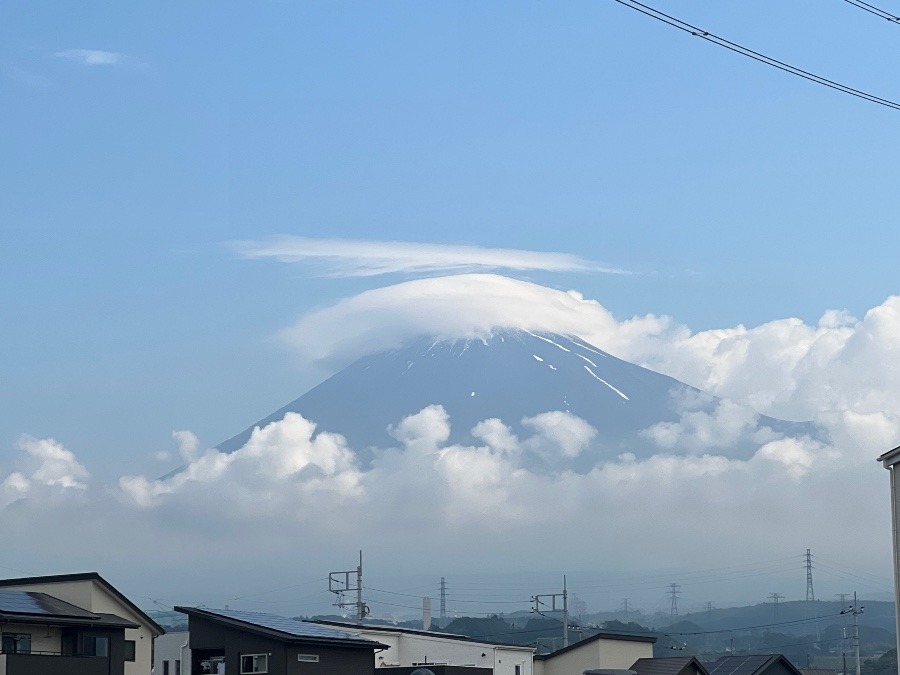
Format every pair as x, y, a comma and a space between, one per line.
872, 9
647, 10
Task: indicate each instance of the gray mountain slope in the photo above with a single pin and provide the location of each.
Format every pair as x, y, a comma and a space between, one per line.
511, 375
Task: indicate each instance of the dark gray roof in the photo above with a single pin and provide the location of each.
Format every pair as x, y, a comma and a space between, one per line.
281, 627
670, 665
753, 664
34, 607
388, 628
28, 602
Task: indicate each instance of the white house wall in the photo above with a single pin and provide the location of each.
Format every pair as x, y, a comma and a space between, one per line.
172, 647
408, 649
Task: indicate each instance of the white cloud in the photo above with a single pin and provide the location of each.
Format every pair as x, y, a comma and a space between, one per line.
294, 488
355, 258
464, 305
47, 470
784, 368
91, 57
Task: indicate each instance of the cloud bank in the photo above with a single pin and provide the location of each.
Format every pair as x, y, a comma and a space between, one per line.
295, 488
355, 258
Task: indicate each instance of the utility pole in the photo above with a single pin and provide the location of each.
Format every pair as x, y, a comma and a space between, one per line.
673, 594
855, 609
810, 595
775, 597
552, 607
339, 583
443, 600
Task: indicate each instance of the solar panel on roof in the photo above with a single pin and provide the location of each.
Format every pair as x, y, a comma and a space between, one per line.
287, 625
41, 604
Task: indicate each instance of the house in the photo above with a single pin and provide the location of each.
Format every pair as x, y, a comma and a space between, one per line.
233, 642
760, 664
605, 650
669, 665
409, 649
72, 624
172, 654
890, 460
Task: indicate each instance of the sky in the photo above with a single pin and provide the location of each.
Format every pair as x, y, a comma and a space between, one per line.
210, 207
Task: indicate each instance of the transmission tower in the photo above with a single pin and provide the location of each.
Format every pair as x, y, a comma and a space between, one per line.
775, 597
443, 599
810, 595
673, 595
625, 608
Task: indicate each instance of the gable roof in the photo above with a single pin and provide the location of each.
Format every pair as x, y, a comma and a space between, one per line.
602, 635
753, 664
669, 665
281, 627
87, 576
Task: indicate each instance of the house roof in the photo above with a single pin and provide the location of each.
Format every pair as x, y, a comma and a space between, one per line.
818, 671
670, 665
414, 631
32, 607
602, 635
281, 627
87, 576
753, 664
890, 457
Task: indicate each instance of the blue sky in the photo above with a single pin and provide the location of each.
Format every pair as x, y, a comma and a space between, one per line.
138, 140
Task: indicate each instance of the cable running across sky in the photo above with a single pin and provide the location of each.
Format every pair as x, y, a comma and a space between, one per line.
756, 56
872, 9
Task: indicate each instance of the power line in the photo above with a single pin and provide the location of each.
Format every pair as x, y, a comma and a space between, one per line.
872, 9
756, 56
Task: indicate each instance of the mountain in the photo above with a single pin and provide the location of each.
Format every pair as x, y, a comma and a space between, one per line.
511, 375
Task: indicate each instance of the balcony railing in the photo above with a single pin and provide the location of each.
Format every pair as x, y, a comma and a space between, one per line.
52, 663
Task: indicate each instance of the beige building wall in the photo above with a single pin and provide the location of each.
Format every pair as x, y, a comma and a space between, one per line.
597, 653
43, 638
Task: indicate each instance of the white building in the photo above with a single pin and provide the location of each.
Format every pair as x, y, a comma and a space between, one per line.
409, 647
172, 654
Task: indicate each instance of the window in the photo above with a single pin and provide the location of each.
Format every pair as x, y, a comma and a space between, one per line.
177, 666
308, 658
518, 670
166, 667
94, 645
130, 650
16, 643
254, 663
